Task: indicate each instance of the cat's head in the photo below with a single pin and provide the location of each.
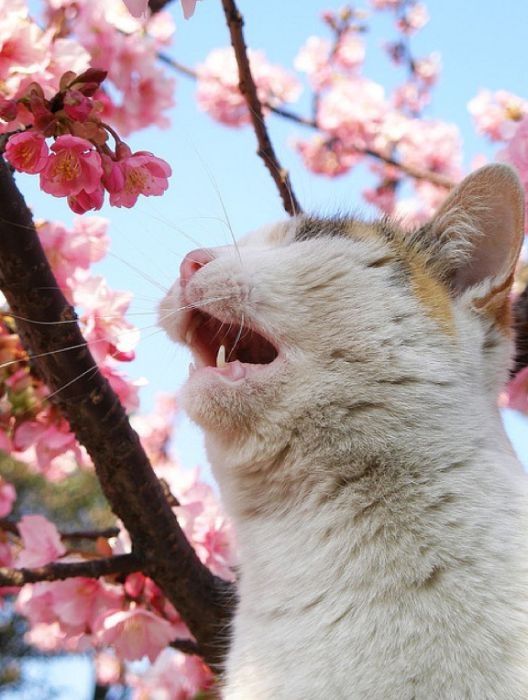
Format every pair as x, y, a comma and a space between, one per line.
335, 332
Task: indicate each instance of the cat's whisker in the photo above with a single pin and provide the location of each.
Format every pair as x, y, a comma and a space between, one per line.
238, 336
90, 370
173, 226
73, 320
214, 183
140, 272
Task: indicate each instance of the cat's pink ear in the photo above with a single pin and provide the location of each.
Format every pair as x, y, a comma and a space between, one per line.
479, 231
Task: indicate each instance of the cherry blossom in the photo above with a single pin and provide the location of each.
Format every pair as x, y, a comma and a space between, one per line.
173, 676
78, 602
353, 111
42, 543
134, 633
7, 497
497, 114
218, 93
142, 173
313, 59
27, 152
74, 166
105, 328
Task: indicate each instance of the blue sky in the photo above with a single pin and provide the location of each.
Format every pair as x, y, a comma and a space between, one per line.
482, 45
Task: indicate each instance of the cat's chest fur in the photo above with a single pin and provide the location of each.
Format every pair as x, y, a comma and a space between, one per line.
361, 597
346, 378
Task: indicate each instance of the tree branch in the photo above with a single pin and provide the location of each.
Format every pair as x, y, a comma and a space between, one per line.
93, 410
157, 5
12, 527
235, 23
187, 646
312, 123
59, 571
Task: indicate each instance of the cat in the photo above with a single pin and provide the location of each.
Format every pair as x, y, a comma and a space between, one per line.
346, 376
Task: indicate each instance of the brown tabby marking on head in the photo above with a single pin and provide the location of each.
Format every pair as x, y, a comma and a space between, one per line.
497, 306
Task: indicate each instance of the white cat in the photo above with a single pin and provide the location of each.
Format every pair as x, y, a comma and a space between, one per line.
346, 378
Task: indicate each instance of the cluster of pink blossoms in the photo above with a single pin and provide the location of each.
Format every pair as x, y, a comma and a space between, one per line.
124, 620
359, 123
218, 93
90, 33
31, 428
79, 165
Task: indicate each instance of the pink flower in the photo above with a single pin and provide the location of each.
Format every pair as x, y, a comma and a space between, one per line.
49, 440
69, 250
126, 389
7, 497
77, 106
143, 173
78, 602
433, 145
353, 110
42, 543
386, 4
134, 633
350, 52
75, 166
34, 601
516, 152
326, 157
428, 68
105, 328
27, 152
314, 60
497, 114
517, 392
173, 676
415, 17
84, 201
218, 93
107, 668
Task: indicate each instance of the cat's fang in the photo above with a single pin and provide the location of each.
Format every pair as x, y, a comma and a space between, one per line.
221, 357
192, 369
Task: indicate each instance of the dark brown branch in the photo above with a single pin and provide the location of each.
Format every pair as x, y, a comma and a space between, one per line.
93, 410
59, 571
311, 123
186, 646
235, 23
157, 5
10, 526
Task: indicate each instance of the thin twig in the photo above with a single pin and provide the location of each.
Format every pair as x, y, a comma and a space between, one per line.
59, 571
12, 527
187, 646
235, 23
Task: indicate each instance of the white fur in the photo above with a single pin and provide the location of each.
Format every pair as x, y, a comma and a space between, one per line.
379, 509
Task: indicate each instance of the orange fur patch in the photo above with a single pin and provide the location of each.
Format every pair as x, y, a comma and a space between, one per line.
496, 304
431, 293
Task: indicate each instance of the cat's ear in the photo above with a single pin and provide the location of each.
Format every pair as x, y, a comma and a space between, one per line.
478, 233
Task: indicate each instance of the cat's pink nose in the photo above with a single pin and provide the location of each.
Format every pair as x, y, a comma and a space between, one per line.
192, 262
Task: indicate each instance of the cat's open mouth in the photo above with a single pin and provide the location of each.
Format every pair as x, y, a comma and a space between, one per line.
230, 349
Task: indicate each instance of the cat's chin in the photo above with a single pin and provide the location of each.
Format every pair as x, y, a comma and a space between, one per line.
229, 397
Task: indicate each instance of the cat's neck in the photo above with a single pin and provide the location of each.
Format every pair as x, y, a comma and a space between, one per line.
383, 562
